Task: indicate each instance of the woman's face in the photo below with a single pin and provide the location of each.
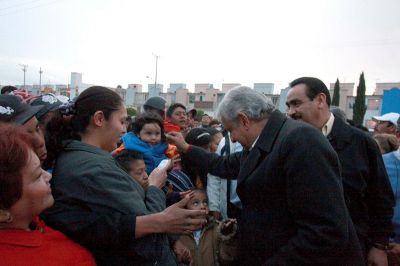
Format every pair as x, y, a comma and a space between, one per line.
32, 127
36, 191
114, 129
138, 172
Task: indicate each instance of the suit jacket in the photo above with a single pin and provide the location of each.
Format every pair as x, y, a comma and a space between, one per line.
294, 211
367, 189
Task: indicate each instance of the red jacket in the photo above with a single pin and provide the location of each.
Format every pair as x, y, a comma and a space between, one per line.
42, 246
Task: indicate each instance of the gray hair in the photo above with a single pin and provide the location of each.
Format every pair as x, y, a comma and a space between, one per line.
339, 113
246, 100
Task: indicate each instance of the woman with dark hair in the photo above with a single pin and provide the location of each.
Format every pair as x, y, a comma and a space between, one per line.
25, 193
97, 203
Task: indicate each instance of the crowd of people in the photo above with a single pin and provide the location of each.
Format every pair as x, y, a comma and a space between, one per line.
83, 184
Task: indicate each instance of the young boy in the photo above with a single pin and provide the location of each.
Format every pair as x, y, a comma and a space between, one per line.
216, 242
133, 163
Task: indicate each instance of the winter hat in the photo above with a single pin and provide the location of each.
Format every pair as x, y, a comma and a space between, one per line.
13, 110
156, 102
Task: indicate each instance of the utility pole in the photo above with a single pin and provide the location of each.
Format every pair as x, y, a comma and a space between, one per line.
40, 79
24, 68
155, 77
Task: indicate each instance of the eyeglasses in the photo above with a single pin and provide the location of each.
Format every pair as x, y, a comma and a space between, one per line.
381, 122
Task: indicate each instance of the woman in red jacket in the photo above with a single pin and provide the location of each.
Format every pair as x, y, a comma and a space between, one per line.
25, 193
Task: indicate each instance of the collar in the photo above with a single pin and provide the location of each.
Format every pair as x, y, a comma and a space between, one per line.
20, 237
327, 128
341, 134
397, 154
271, 131
254, 143
76, 145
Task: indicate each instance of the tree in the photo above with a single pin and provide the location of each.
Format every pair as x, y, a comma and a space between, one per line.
131, 111
199, 114
359, 107
336, 94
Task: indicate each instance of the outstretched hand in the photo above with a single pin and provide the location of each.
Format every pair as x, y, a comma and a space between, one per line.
178, 220
177, 139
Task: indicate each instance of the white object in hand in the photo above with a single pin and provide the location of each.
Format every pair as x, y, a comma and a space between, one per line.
164, 163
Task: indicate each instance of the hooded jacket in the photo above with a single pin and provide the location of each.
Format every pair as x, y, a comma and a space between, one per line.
152, 154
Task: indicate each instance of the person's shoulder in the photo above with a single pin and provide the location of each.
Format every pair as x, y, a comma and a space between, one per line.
391, 156
299, 129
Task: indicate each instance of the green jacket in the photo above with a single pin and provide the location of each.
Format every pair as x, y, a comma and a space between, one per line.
96, 204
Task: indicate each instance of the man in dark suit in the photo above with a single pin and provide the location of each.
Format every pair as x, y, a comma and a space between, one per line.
368, 194
289, 183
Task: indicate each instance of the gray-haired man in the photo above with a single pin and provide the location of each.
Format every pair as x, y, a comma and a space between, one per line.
289, 183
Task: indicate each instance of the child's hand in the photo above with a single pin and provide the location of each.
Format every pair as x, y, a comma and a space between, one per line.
227, 226
217, 215
176, 159
182, 253
173, 161
183, 194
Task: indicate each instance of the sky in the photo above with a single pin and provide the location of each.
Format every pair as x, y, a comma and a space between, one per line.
114, 42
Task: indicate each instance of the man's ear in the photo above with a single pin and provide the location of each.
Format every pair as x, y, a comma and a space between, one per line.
244, 120
98, 118
321, 99
5, 216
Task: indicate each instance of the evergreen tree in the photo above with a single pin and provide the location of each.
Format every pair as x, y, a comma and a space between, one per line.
131, 111
336, 94
359, 107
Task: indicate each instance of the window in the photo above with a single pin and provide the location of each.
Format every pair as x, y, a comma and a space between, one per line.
373, 104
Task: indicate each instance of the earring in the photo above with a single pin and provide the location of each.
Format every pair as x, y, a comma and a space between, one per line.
5, 216
9, 219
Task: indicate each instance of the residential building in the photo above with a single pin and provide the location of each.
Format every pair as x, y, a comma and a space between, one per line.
202, 87
155, 89
381, 86
228, 86
346, 90
174, 86
391, 101
265, 88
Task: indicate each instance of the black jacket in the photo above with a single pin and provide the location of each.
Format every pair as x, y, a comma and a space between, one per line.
367, 189
294, 211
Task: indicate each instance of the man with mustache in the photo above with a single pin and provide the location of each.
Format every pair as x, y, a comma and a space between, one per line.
369, 197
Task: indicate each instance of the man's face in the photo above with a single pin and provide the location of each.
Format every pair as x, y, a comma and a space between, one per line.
237, 133
384, 127
178, 117
300, 107
205, 120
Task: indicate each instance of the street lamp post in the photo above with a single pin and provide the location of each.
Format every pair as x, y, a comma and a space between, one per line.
40, 79
24, 69
155, 76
